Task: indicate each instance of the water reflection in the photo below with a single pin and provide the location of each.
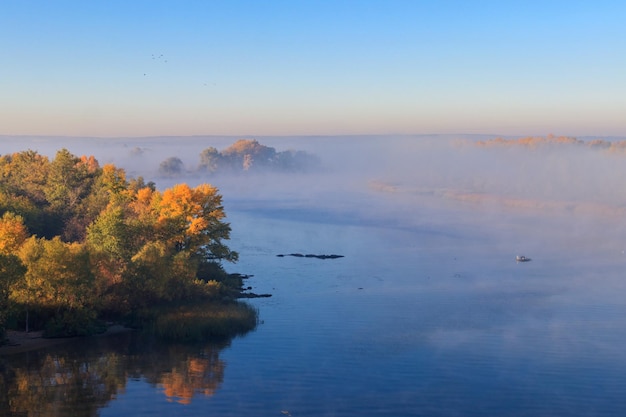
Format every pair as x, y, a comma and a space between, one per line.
78, 378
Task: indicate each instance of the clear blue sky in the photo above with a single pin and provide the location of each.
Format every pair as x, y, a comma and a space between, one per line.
139, 68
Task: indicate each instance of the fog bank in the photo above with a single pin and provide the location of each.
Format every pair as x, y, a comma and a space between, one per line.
522, 198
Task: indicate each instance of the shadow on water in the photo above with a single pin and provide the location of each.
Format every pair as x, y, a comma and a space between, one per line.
78, 378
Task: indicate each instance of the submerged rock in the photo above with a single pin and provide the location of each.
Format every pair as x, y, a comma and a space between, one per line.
310, 255
253, 295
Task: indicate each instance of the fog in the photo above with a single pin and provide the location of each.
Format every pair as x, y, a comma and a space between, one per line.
458, 214
561, 197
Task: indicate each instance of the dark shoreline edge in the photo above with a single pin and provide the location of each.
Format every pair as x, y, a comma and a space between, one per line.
20, 342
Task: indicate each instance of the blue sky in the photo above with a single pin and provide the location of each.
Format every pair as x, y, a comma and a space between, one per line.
142, 68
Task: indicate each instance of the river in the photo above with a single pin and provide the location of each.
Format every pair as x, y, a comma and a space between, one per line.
410, 322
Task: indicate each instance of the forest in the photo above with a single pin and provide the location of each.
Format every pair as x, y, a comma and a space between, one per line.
82, 244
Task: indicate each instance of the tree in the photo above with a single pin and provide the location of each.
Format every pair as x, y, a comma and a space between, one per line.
68, 185
13, 233
147, 281
108, 242
58, 277
68, 181
23, 178
250, 155
291, 160
191, 219
11, 271
246, 153
25, 173
209, 160
171, 167
30, 290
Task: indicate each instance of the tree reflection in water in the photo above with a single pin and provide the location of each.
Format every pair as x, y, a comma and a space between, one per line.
78, 378
183, 373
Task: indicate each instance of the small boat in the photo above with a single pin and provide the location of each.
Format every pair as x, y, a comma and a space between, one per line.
521, 258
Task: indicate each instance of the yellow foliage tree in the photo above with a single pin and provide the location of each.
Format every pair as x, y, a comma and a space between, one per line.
13, 233
58, 276
191, 219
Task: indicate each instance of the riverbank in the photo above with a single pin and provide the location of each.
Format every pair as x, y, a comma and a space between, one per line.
19, 342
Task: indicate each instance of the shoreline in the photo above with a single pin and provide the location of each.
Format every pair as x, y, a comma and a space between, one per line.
19, 341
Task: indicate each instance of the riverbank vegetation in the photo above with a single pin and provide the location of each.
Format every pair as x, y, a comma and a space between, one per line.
81, 244
541, 142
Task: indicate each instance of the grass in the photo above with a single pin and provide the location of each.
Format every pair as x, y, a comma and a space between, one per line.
202, 321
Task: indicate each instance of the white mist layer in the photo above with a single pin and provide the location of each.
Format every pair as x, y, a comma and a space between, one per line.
551, 198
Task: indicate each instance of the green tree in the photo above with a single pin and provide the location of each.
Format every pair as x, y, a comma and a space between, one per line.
23, 177
58, 278
69, 183
25, 173
148, 279
110, 242
30, 291
65, 185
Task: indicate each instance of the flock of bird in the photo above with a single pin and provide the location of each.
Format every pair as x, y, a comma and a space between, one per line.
163, 59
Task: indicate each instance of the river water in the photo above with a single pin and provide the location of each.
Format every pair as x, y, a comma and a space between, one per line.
419, 321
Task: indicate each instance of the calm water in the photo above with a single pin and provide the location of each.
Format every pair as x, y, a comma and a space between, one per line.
417, 321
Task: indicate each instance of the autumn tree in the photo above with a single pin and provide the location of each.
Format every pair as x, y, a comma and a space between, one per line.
58, 281
13, 233
248, 155
191, 219
11, 271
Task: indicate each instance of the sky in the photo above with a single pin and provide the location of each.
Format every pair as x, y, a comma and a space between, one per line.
110, 68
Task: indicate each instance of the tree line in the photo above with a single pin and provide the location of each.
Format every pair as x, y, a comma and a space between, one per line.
245, 155
80, 242
534, 142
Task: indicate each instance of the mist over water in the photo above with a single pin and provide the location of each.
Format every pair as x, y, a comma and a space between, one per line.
569, 200
428, 310
563, 197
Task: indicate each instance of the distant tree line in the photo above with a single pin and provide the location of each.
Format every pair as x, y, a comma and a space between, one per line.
80, 242
245, 155
552, 140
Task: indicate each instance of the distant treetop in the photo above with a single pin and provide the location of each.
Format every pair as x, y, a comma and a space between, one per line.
250, 155
552, 140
